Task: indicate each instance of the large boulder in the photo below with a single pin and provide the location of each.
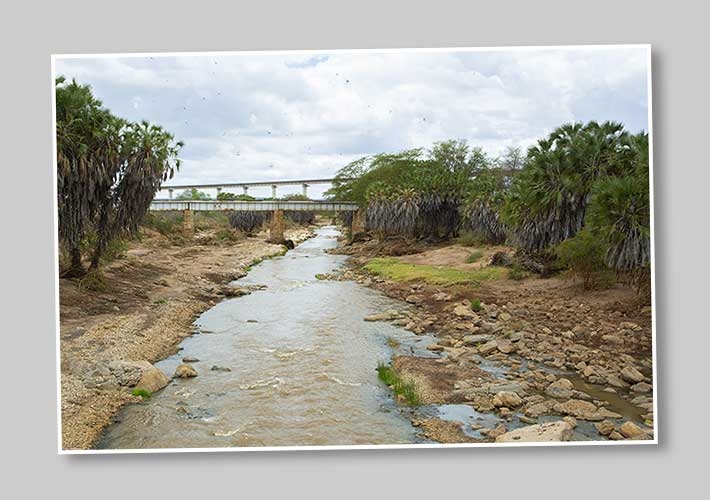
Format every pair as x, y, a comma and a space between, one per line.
547, 432
139, 374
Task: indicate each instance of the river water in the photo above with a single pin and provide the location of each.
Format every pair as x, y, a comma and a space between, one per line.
302, 366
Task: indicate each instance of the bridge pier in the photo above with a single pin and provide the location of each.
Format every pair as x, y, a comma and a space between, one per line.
276, 231
170, 194
246, 190
188, 222
358, 223
305, 190
273, 191
219, 191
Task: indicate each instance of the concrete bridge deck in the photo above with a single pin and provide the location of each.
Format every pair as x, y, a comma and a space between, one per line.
254, 206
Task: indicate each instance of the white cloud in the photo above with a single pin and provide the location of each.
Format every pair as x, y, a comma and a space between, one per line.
275, 116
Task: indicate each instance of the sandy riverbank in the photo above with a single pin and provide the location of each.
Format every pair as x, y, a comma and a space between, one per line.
151, 299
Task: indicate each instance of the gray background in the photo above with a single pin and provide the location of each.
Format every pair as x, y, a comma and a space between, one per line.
30, 33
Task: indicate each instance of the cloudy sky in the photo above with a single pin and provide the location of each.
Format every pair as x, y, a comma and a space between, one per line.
261, 116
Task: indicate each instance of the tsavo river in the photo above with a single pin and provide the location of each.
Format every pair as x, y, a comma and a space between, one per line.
292, 364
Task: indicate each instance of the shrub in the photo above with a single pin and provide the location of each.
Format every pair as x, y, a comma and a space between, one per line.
475, 256
227, 235
476, 305
584, 255
517, 273
93, 281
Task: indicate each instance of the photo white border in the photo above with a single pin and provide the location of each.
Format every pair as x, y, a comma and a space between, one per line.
530, 48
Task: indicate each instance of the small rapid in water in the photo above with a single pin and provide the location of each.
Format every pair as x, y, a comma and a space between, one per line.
293, 364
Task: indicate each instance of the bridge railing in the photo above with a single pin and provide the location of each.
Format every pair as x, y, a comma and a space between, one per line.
254, 206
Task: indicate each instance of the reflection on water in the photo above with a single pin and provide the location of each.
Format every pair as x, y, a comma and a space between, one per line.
302, 364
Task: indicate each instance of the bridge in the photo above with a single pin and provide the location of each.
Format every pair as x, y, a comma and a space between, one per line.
278, 207
304, 183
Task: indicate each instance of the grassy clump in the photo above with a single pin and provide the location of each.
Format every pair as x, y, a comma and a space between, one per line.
476, 305
393, 342
517, 273
468, 239
475, 256
142, 393
227, 235
436, 275
93, 281
391, 378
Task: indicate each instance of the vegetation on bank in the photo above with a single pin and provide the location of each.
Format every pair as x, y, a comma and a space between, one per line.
592, 177
108, 171
437, 275
404, 389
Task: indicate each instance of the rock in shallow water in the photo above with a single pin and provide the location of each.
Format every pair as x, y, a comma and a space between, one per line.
185, 371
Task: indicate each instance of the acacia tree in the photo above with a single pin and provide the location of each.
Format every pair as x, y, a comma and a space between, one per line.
108, 170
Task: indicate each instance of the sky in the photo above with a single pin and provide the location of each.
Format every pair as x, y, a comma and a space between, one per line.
280, 116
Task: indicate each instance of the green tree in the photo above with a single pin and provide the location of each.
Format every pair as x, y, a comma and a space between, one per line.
193, 194
108, 170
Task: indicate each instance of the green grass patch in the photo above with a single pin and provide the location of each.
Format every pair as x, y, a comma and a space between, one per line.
475, 256
142, 393
227, 235
436, 275
391, 378
476, 305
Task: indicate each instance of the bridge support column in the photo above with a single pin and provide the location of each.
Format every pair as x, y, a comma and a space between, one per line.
276, 231
273, 191
246, 189
358, 223
188, 222
305, 190
170, 194
219, 191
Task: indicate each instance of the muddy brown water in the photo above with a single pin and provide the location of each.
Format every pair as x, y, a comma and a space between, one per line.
292, 364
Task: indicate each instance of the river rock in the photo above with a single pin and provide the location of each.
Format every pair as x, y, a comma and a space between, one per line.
561, 388
628, 325
185, 371
505, 346
190, 359
464, 311
631, 374
504, 316
632, 431
414, 299
494, 433
507, 399
615, 381
476, 339
605, 427
153, 379
642, 387
488, 347
584, 410
441, 297
383, 316
547, 432
538, 409
216, 368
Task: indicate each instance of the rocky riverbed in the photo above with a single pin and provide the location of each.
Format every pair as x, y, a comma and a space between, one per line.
110, 339
549, 362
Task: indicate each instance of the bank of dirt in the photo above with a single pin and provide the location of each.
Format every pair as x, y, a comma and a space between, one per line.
151, 298
562, 351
